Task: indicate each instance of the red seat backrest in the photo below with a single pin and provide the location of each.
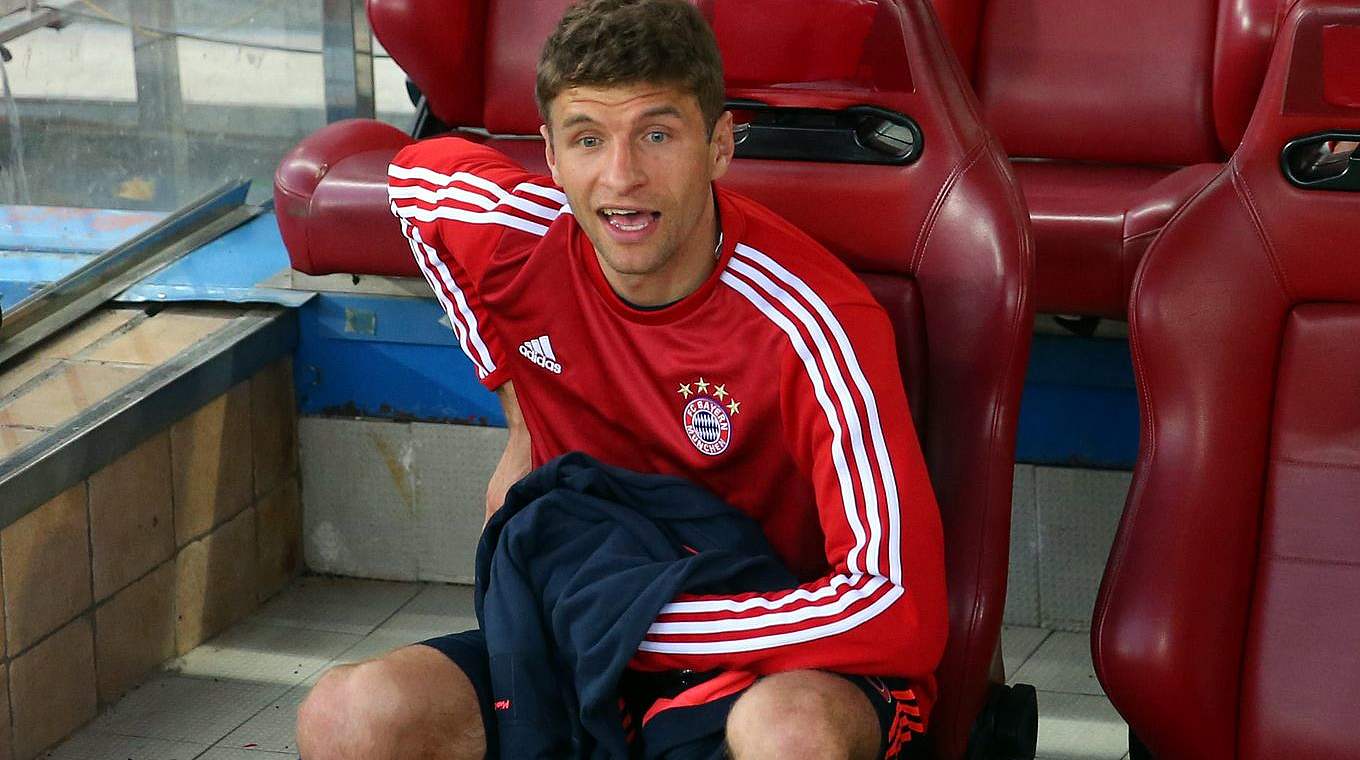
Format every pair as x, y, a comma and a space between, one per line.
1114, 113
1159, 82
1226, 621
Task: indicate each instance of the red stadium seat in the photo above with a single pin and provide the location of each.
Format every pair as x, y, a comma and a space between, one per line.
1226, 622
939, 236
1114, 114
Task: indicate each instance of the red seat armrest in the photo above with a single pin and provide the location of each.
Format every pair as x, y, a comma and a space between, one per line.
330, 195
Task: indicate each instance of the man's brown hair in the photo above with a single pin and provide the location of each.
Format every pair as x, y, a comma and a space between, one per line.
607, 43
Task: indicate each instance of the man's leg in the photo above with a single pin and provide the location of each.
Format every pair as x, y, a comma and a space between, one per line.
411, 703
804, 714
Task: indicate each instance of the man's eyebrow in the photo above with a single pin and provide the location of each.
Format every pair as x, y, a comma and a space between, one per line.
579, 118
662, 111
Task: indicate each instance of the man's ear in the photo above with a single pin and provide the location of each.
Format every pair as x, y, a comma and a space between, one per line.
548, 152
722, 146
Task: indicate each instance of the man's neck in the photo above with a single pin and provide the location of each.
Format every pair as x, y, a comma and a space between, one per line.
690, 267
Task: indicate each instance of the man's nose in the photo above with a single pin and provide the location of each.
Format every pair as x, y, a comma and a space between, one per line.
623, 171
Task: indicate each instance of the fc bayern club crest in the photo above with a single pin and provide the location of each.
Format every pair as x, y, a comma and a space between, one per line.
708, 415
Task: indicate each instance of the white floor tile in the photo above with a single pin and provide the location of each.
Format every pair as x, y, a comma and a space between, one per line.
345, 605
261, 653
234, 753
274, 728
99, 745
187, 709
1078, 511
379, 643
1080, 727
435, 611
1017, 644
1062, 663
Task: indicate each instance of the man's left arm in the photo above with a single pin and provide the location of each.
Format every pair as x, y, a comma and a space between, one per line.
882, 609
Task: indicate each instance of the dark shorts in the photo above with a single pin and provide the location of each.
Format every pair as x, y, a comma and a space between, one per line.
891, 698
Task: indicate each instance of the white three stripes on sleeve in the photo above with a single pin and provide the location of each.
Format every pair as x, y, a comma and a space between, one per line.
448, 196
461, 316
763, 282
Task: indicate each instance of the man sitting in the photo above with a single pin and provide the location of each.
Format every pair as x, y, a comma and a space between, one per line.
631, 309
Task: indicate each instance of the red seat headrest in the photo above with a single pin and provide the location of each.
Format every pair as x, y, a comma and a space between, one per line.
475, 61
766, 42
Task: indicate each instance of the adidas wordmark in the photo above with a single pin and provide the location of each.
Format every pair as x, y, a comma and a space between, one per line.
539, 351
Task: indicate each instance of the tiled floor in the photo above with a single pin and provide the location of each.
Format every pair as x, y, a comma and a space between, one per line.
236, 697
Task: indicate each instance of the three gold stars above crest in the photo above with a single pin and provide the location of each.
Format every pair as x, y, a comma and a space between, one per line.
700, 388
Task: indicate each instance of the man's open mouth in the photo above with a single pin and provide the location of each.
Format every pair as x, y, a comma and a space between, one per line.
629, 219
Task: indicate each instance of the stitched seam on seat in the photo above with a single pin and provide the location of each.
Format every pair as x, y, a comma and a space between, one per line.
1148, 446
1017, 322
1140, 235
918, 256
306, 254
1317, 464
1248, 201
1312, 560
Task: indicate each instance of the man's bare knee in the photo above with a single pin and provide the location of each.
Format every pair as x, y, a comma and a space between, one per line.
411, 703
803, 714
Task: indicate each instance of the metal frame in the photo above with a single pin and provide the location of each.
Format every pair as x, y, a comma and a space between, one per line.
347, 60
38, 17
100, 434
81, 292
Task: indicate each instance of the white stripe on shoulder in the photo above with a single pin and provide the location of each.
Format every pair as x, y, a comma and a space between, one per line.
885, 465
551, 193
819, 390
496, 192
472, 217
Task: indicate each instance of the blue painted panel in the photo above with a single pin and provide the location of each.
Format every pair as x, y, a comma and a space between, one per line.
70, 230
11, 293
386, 357
33, 267
226, 269
1079, 405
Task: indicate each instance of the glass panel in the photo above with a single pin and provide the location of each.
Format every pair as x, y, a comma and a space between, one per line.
132, 108
147, 104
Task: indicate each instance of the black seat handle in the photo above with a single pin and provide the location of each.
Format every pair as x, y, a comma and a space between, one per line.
855, 135
1310, 163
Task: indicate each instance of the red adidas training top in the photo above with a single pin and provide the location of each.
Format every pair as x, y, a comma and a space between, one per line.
775, 385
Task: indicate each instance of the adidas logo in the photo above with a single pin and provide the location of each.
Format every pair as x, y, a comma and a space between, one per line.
539, 351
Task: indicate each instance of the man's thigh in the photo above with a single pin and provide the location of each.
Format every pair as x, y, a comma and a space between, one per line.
466, 652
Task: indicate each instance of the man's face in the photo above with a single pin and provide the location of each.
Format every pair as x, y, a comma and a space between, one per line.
635, 162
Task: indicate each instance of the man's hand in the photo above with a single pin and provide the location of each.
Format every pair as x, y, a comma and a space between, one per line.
515, 460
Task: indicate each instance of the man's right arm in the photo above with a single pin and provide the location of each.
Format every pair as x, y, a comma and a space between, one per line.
462, 207
516, 460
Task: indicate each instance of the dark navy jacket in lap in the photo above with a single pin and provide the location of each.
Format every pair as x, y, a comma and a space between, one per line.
572, 571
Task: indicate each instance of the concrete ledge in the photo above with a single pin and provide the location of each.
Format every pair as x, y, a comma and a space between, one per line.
146, 523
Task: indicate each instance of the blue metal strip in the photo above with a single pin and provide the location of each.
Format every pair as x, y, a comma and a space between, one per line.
226, 269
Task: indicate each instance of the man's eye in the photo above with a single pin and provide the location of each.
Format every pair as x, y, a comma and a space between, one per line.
589, 142
656, 137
